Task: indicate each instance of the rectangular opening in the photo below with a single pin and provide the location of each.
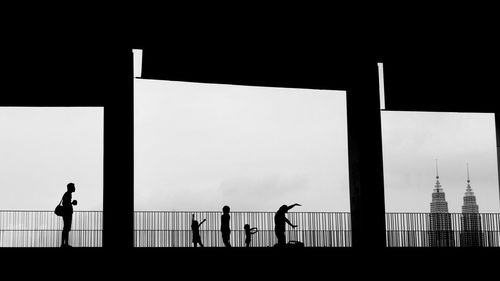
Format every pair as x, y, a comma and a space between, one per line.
424, 210
199, 147
42, 150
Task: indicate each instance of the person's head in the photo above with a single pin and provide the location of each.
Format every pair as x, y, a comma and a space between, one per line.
283, 209
71, 187
247, 227
226, 209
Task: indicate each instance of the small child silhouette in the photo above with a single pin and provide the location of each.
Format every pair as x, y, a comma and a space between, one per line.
195, 226
248, 234
224, 227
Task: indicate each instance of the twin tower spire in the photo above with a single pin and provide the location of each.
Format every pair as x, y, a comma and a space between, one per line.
441, 228
439, 204
437, 187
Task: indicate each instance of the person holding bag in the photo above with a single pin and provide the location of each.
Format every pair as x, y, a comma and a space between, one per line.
67, 214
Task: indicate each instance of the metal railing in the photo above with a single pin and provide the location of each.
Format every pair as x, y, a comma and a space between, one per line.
315, 229
443, 229
43, 229
173, 229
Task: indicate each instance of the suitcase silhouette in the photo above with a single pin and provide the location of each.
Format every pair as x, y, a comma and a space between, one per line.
295, 244
292, 244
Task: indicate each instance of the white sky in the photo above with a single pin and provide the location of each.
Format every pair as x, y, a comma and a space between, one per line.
202, 146
44, 148
413, 140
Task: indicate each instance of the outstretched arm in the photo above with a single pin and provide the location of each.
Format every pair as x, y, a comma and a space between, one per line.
291, 206
202, 222
290, 224
253, 230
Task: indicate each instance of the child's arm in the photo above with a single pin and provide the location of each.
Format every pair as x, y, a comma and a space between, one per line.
253, 230
202, 222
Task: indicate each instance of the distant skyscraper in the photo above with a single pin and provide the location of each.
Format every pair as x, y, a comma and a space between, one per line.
471, 235
441, 233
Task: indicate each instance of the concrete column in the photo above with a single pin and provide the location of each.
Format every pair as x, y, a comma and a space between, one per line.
365, 157
118, 215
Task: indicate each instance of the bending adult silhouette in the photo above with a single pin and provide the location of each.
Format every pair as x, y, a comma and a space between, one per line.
224, 227
67, 216
280, 222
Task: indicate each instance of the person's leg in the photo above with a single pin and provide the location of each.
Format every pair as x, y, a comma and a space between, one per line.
68, 229
281, 238
64, 236
228, 238
225, 238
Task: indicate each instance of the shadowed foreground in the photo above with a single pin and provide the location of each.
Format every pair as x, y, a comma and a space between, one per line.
222, 263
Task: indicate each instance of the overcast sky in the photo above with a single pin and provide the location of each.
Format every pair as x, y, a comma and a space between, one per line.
44, 148
199, 146
202, 146
413, 140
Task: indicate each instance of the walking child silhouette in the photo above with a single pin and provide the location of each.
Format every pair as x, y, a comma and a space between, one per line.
224, 227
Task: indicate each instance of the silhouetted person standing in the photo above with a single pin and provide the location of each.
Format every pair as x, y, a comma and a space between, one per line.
195, 226
67, 213
280, 221
248, 234
224, 227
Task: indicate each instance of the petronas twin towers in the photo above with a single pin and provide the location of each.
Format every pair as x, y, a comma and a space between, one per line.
443, 228
471, 235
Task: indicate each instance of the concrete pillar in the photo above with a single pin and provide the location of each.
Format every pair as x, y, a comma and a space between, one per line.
365, 157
